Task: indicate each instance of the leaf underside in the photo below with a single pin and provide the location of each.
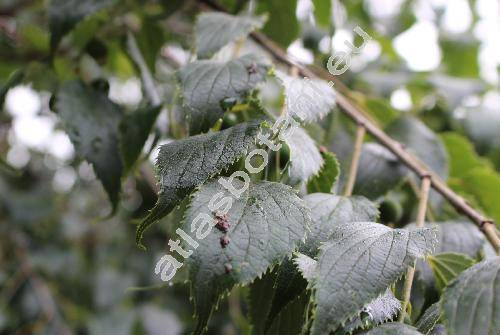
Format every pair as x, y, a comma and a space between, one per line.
307, 99
380, 310
305, 158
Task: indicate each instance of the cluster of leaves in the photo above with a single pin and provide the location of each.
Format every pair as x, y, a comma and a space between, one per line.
308, 259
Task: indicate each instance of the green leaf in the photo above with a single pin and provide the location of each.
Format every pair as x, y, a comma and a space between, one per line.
482, 125
452, 237
379, 171
258, 300
380, 108
358, 263
447, 266
215, 30
267, 223
459, 237
438, 329
422, 141
150, 39
292, 319
429, 319
426, 145
91, 121
206, 84
393, 328
454, 89
308, 99
471, 304
329, 212
185, 164
323, 12
460, 56
483, 184
305, 159
326, 178
462, 156
281, 14
288, 286
134, 129
65, 14
14, 79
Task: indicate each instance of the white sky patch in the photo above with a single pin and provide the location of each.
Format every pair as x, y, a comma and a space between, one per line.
487, 8
34, 132
491, 100
382, 9
64, 179
339, 39
371, 51
304, 10
18, 156
457, 17
439, 3
127, 92
487, 30
325, 45
401, 99
423, 10
60, 146
303, 55
419, 47
34, 129
22, 101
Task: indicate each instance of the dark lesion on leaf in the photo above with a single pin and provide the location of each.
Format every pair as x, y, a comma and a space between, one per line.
222, 222
224, 241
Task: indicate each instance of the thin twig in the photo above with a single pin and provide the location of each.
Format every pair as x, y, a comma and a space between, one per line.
353, 168
410, 274
422, 209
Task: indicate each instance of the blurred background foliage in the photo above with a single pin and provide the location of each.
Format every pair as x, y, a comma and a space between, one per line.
430, 77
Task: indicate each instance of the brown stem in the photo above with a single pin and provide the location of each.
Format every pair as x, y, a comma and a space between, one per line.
422, 209
422, 203
353, 168
410, 274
